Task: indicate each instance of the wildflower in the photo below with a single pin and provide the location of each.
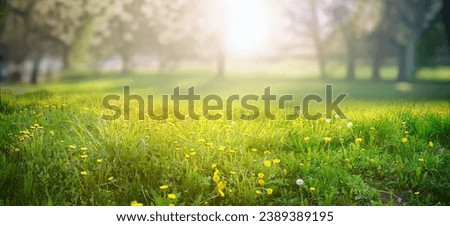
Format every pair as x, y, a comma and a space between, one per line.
221, 185
358, 140
187, 156
261, 182
72, 146
312, 189
216, 178
327, 120
327, 139
84, 148
171, 196
276, 161
221, 193
404, 140
306, 139
258, 192
52, 133
213, 166
84, 173
299, 182
84, 156
269, 191
430, 144
164, 187
99, 160
267, 163
350, 125
260, 175
233, 173
254, 149
421, 160
110, 178
136, 203
372, 161
416, 193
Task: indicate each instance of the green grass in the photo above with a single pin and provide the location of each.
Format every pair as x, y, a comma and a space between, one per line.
56, 150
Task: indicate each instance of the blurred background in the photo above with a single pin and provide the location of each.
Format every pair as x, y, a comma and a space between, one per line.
396, 40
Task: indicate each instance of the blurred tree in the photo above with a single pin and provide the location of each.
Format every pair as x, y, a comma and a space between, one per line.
350, 20
446, 17
380, 38
413, 17
309, 18
124, 31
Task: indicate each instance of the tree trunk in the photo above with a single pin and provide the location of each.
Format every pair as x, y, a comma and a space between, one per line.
35, 72
351, 58
377, 59
401, 77
221, 65
411, 59
126, 64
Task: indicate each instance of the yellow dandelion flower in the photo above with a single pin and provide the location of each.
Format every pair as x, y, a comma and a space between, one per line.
221, 185
261, 182
269, 191
164, 187
72, 146
372, 161
306, 139
216, 178
417, 193
110, 178
84, 156
430, 144
213, 166
99, 160
221, 193
404, 140
84, 148
171, 196
187, 156
358, 140
260, 175
136, 203
52, 133
276, 161
216, 172
258, 192
233, 173
84, 173
267, 163
421, 160
312, 189
254, 149
327, 139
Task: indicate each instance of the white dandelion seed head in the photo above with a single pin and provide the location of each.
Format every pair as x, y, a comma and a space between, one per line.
350, 124
300, 182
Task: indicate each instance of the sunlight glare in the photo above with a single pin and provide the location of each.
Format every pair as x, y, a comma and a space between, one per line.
247, 27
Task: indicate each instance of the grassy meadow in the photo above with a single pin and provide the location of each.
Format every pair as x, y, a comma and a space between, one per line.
393, 148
